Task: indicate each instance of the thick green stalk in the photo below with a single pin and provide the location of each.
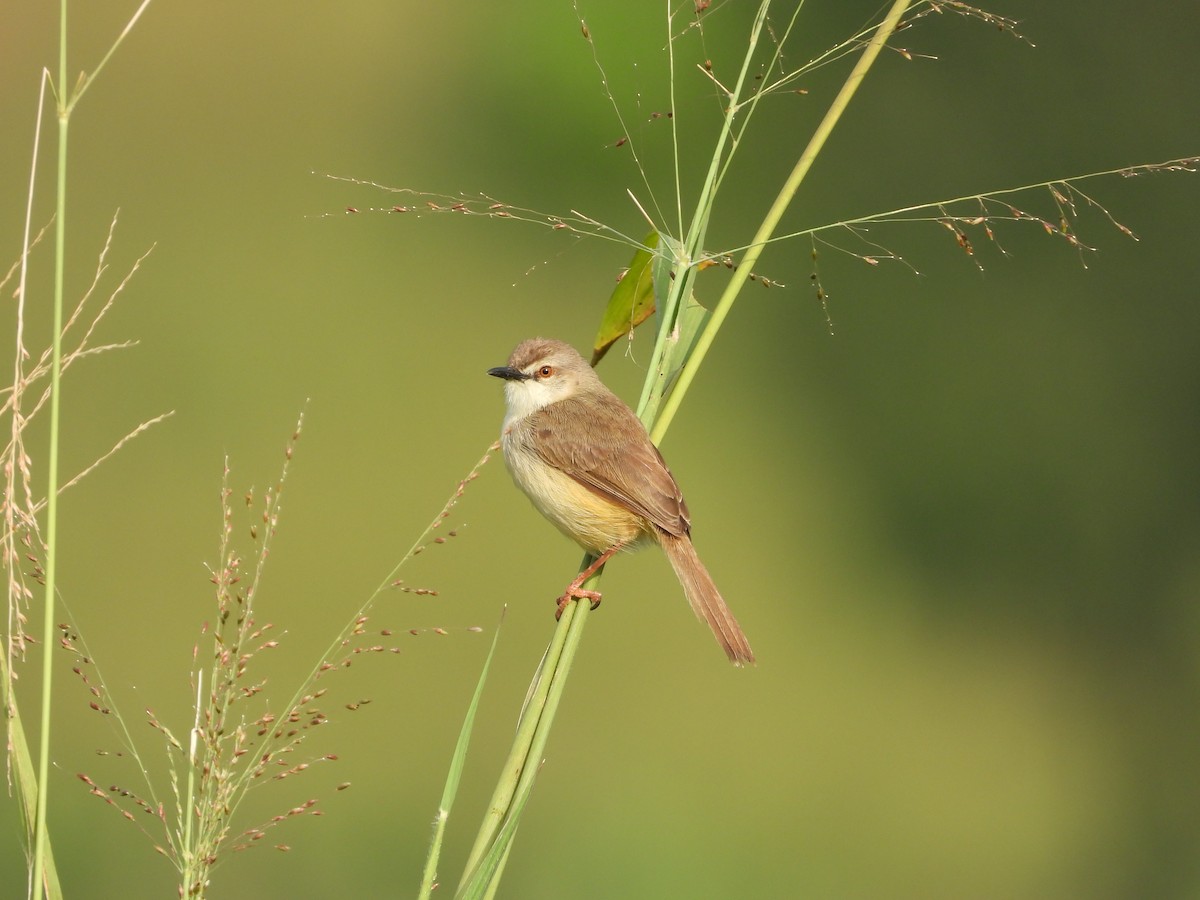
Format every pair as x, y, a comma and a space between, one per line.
494, 840
775, 213
520, 766
491, 853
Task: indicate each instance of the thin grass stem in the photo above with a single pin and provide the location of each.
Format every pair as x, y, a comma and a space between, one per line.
774, 214
20, 760
85, 83
693, 242
41, 833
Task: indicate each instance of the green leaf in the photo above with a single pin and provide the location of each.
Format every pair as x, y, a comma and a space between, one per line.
631, 303
25, 776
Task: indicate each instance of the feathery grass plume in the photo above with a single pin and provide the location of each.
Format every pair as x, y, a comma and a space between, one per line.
24, 543
968, 219
229, 746
22, 546
236, 741
21, 404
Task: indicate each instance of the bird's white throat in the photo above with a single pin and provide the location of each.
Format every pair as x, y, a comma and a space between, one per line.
523, 398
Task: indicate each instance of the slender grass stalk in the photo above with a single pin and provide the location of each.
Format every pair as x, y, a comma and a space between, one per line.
188, 874
85, 83
21, 760
66, 99
655, 384
457, 762
774, 214
41, 831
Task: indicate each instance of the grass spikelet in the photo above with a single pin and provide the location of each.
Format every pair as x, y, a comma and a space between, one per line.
236, 740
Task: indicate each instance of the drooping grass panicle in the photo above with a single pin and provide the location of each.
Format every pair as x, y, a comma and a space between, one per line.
980, 213
209, 770
22, 505
24, 545
778, 78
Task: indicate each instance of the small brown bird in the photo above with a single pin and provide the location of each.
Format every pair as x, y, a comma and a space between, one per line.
586, 462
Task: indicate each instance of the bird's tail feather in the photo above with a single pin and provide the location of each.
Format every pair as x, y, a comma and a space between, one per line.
705, 599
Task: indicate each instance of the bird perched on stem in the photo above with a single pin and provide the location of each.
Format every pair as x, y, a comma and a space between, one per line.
586, 462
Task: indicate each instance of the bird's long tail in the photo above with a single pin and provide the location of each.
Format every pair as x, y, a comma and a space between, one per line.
705, 599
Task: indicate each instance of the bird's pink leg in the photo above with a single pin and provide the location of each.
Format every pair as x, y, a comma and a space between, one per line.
575, 590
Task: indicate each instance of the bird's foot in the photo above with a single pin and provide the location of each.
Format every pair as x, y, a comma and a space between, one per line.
575, 592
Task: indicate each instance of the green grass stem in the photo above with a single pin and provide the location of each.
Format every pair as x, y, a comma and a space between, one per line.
493, 844
489, 855
41, 831
771, 221
693, 244
517, 767
66, 100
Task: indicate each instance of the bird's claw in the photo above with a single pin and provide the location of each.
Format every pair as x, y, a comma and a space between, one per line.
574, 592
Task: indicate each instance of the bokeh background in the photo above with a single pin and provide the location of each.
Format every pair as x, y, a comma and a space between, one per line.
962, 530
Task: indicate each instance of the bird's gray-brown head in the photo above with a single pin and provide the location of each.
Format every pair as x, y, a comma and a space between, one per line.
542, 371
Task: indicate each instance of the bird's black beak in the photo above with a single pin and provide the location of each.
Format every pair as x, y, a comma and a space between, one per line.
508, 373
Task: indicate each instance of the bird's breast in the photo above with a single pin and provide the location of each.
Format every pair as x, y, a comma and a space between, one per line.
591, 520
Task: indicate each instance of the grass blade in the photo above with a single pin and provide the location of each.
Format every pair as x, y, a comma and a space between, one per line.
26, 779
483, 878
454, 776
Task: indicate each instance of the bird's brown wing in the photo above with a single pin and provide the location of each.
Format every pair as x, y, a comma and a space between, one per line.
618, 460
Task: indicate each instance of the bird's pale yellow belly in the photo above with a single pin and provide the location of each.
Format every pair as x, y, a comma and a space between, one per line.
592, 521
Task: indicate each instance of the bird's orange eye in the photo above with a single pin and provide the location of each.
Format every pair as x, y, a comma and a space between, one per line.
545, 371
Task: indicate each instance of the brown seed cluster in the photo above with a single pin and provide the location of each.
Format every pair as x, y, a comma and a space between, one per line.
234, 742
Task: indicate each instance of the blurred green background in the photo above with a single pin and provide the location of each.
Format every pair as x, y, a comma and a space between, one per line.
962, 531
